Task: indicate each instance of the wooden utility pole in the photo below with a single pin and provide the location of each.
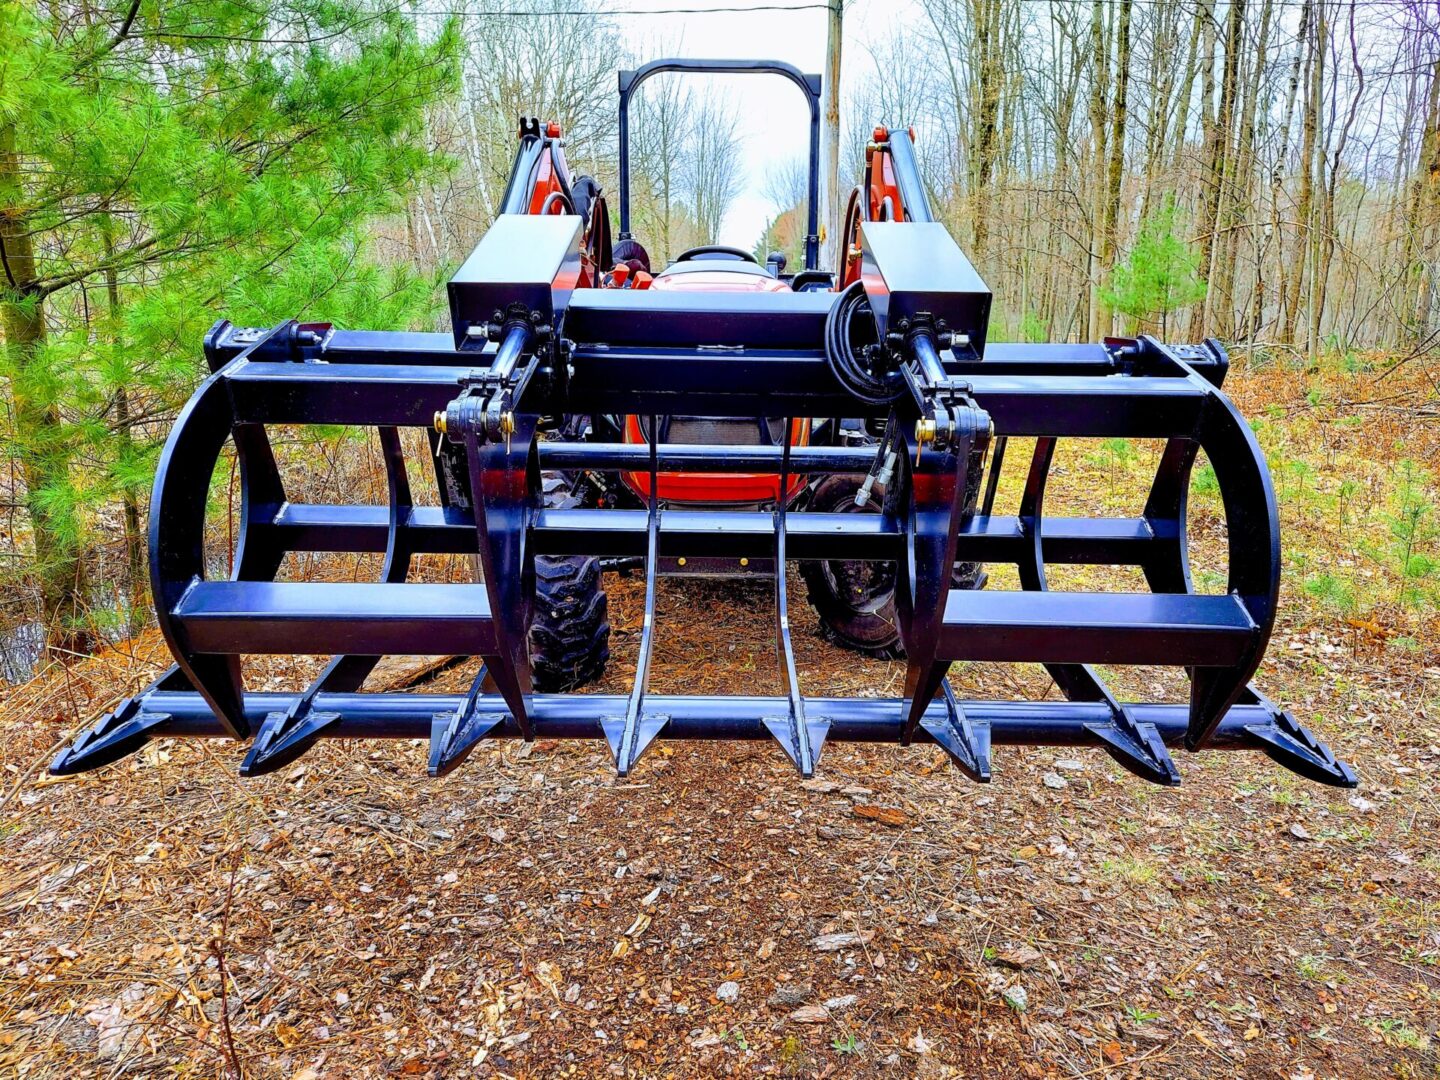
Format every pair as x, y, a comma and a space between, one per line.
830, 148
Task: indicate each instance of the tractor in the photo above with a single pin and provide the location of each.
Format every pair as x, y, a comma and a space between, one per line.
588, 412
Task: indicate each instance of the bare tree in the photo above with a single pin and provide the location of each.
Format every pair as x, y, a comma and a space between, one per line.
661, 126
712, 166
787, 185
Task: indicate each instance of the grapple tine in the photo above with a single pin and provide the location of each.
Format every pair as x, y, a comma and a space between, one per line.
800, 737
122, 730
1138, 748
503, 482
115, 735
967, 741
629, 741
453, 735
631, 735
284, 736
942, 489
1296, 747
803, 749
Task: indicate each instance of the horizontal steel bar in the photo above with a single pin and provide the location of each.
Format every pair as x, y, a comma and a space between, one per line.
720, 534
721, 384
1117, 406
730, 534
307, 618
428, 529
365, 394
1096, 628
690, 457
404, 347
578, 716
1024, 402
350, 346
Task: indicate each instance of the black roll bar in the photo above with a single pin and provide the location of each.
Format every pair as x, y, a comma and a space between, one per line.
630, 81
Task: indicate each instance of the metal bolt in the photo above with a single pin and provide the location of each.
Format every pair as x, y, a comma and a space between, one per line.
744, 562
475, 330
440, 422
680, 561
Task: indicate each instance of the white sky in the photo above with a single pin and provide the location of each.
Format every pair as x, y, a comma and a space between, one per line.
774, 118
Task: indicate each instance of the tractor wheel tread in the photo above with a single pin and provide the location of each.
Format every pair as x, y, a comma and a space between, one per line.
569, 626
873, 631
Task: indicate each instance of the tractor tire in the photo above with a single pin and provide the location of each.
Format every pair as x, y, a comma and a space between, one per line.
856, 600
569, 628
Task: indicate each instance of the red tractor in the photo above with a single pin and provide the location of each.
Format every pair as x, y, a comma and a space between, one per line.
716, 416
855, 601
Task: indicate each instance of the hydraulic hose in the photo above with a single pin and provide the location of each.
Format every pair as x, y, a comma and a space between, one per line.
849, 370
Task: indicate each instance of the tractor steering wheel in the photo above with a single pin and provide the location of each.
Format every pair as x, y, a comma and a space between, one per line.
707, 251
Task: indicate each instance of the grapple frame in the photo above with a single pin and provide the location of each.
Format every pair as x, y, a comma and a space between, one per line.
530, 342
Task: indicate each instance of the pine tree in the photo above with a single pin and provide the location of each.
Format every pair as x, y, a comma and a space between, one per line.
161, 164
1160, 275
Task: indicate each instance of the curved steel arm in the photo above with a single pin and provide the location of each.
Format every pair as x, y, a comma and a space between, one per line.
809, 84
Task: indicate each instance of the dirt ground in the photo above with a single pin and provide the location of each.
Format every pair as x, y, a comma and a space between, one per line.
533, 916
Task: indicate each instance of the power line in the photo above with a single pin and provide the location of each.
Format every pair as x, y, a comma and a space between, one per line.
595, 13
598, 13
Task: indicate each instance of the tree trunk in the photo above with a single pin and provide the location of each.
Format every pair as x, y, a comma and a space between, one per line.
1422, 214
136, 577
1216, 160
1100, 70
1229, 207
1109, 242
985, 52
1316, 225
45, 457
1187, 87
1310, 120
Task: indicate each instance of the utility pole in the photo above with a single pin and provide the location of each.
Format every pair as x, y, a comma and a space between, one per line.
830, 205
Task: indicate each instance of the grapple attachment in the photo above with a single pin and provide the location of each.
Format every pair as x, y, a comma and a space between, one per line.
531, 343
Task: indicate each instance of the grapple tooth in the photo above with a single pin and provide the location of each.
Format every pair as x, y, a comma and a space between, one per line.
453, 736
804, 754
1291, 744
1138, 748
112, 737
646, 728
284, 737
967, 741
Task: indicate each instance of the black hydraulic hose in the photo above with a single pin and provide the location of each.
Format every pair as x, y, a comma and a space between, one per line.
552, 199
847, 368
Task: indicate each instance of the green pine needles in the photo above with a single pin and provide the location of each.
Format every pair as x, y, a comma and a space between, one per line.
1160, 275
164, 163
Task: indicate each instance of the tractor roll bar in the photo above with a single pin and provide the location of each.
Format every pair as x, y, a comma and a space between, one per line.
630, 81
